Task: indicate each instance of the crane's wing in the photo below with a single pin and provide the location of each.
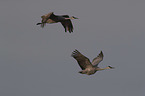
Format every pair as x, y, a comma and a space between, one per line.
83, 61
45, 18
98, 59
67, 24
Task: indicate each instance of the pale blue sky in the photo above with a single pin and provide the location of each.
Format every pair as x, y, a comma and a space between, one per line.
38, 62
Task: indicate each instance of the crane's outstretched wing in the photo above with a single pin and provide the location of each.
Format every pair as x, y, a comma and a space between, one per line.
45, 18
83, 61
67, 24
98, 59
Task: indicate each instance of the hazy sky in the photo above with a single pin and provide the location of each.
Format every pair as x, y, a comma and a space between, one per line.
38, 62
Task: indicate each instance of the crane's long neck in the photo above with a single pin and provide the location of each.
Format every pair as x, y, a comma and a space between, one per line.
68, 18
72, 17
99, 69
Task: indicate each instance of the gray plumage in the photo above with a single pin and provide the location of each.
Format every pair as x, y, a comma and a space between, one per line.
85, 64
65, 20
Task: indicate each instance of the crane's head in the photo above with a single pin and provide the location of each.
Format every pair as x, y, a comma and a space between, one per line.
74, 17
109, 67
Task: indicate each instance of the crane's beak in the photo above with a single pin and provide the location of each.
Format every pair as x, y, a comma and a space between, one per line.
111, 67
75, 17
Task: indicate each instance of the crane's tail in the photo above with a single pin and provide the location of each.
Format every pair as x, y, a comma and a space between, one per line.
42, 24
38, 23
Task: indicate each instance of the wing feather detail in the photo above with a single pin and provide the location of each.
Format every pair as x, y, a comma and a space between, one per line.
98, 59
67, 25
45, 18
83, 61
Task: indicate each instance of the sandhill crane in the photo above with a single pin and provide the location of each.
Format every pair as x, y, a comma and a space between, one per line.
85, 64
65, 20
